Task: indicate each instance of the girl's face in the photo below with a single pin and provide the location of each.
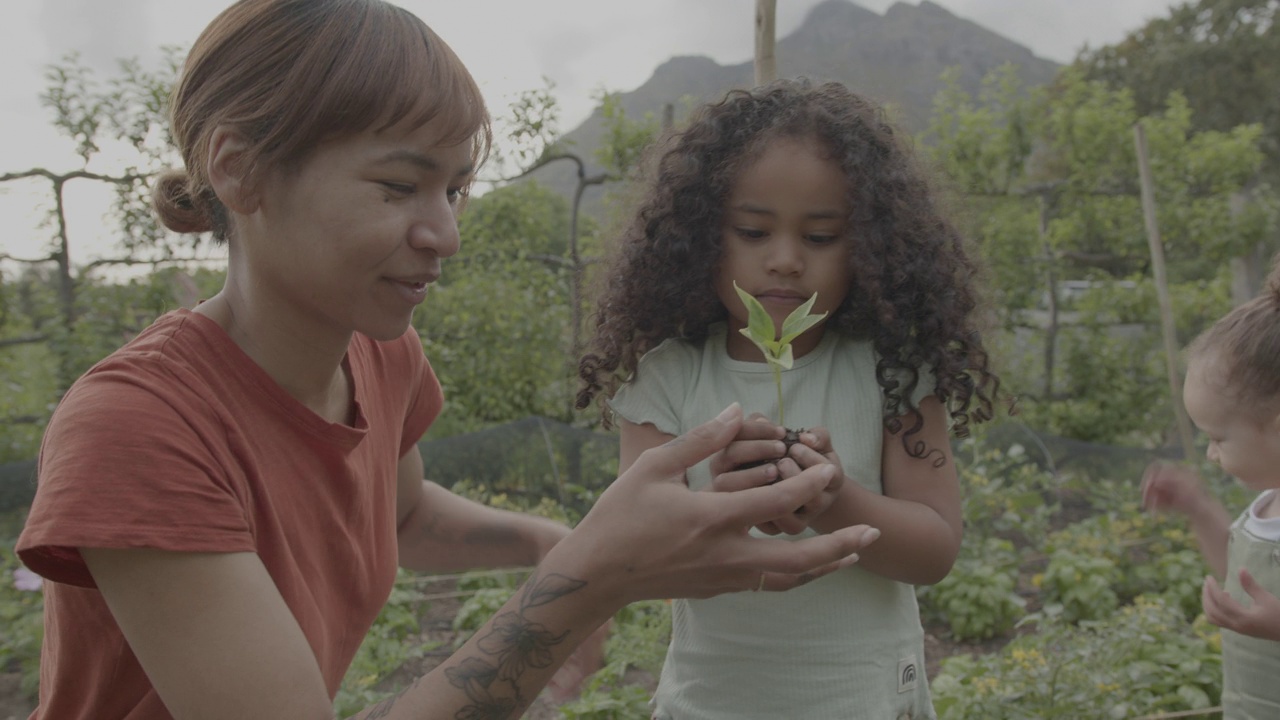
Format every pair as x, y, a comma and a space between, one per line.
1242, 443
784, 238
350, 240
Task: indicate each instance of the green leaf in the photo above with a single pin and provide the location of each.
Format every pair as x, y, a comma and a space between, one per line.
784, 360
799, 321
759, 325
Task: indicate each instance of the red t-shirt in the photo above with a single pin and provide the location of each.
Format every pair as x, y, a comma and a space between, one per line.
179, 441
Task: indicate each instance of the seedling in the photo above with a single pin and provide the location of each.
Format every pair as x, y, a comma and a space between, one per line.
776, 345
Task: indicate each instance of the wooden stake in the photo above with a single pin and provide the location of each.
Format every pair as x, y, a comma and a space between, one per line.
1168, 330
766, 63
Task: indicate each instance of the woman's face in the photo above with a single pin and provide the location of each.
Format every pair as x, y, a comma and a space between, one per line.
349, 240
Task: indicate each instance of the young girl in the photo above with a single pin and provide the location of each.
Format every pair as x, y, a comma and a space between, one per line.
223, 502
787, 191
1232, 393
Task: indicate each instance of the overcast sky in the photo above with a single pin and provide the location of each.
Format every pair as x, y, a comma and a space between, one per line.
509, 45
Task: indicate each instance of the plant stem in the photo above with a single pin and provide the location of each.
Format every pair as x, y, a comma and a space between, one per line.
777, 381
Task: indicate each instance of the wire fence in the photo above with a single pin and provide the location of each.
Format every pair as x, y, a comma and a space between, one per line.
536, 458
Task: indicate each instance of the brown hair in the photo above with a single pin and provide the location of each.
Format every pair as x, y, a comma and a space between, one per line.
1245, 348
914, 290
290, 74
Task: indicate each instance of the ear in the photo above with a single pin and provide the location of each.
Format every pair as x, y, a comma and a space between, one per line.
231, 179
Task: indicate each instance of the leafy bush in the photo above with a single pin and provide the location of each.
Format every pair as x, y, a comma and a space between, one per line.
1079, 586
22, 617
389, 645
1004, 494
1143, 659
978, 599
639, 638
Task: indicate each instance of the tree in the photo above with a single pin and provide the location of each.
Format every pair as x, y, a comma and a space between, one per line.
59, 314
1223, 56
521, 273
495, 326
129, 112
1052, 183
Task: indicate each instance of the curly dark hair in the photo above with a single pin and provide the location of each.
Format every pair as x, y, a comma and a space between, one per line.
912, 292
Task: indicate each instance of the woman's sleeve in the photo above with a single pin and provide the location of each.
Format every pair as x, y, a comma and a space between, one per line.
426, 398
128, 462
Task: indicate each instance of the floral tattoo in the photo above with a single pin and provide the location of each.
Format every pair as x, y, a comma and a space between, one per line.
513, 645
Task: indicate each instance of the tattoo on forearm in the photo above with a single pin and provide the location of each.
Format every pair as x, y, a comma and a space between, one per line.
512, 645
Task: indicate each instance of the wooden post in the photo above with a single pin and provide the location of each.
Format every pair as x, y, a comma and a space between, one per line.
1169, 331
766, 63
1051, 327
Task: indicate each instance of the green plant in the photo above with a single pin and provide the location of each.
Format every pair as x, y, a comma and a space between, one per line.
638, 640
1141, 660
22, 616
1005, 494
1079, 587
476, 610
390, 643
977, 599
601, 702
775, 344
21, 610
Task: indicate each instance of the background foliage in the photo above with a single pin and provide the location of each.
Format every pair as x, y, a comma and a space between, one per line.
1067, 600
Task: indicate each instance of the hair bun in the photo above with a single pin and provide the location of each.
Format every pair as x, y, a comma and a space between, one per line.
174, 204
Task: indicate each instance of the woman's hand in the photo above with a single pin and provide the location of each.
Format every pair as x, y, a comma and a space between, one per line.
750, 460
649, 536
761, 440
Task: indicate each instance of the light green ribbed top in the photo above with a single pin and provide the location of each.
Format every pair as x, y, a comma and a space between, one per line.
849, 645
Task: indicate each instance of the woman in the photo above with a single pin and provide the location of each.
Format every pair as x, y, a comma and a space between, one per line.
223, 502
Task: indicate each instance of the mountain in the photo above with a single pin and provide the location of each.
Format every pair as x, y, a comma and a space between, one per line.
896, 58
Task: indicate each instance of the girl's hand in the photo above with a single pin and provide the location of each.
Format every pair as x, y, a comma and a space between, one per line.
1260, 619
813, 449
1168, 486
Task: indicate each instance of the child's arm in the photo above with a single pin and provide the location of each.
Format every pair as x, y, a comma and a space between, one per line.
1166, 486
919, 513
1261, 619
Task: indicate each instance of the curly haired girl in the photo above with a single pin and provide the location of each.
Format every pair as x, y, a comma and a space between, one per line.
786, 191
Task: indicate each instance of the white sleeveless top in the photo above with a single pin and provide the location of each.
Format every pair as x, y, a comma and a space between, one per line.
849, 645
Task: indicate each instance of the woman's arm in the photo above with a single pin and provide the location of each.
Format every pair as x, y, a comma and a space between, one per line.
919, 514
439, 531
217, 640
